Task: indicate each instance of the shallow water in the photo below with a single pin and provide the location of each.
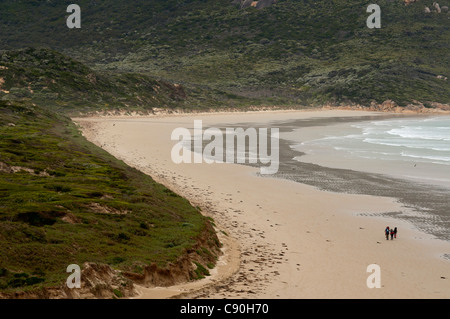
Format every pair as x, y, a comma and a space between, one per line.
411, 148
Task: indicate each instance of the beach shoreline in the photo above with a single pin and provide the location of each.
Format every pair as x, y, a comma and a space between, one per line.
291, 240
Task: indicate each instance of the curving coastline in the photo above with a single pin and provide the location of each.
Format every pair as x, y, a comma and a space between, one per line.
295, 240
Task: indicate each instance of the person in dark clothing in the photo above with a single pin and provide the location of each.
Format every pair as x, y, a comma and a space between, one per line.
395, 232
392, 234
386, 232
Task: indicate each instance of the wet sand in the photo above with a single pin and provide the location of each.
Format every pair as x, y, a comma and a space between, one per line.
428, 204
293, 240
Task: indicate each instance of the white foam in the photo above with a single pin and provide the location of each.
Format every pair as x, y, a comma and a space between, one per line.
398, 145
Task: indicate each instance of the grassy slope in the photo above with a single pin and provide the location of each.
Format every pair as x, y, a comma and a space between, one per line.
309, 52
49, 211
61, 83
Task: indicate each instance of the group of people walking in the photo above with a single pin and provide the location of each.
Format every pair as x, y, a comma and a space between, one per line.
390, 232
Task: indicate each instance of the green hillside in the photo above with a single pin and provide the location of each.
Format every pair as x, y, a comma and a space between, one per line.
58, 82
308, 52
65, 201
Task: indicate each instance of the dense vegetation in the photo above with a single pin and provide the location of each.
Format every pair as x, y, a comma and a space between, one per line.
296, 52
58, 82
64, 201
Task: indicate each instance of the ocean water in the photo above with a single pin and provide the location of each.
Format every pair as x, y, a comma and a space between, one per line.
416, 148
379, 155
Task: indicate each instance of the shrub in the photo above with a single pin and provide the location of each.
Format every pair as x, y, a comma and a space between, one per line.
118, 293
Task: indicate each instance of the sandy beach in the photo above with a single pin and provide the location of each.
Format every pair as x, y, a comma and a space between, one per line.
282, 239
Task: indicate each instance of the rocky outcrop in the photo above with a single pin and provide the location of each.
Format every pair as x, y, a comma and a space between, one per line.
261, 4
434, 8
390, 106
437, 7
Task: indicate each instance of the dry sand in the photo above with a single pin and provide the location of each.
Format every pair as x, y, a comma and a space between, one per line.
284, 239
